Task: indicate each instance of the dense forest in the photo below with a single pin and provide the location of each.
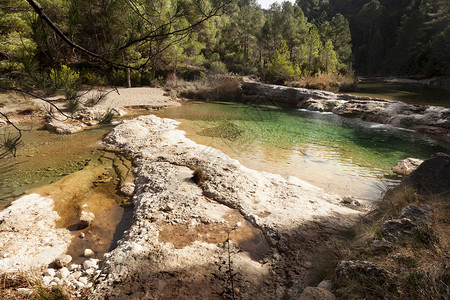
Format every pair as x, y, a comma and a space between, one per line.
115, 41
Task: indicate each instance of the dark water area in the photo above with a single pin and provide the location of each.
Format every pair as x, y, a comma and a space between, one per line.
413, 93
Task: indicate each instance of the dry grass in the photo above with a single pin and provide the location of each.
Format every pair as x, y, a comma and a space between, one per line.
218, 87
27, 286
199, 176
327, 82
419, 265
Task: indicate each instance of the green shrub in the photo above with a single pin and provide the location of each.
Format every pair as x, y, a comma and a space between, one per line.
280, 68
219, 67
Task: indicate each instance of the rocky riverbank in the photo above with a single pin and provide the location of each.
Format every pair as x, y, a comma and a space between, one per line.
238, 233
431, 120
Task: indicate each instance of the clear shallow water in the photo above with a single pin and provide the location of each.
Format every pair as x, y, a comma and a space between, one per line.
341, 155
409, 93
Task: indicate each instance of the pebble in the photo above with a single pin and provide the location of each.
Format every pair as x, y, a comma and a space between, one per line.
76, 275
89, 272
82, 235
25, 291
63, 260
90, 263
63, 272
83, 280
88, 253
79, 284
50, 272
46, 280
74, 267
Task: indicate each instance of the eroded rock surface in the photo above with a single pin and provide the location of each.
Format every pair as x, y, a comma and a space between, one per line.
178, 246
423, 118
29, 237
406, 166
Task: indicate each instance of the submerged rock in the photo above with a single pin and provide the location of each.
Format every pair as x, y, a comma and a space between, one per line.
406, 166
64, 127
85, 220
88, 253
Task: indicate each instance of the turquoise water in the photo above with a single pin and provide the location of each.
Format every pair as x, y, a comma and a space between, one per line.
342, 155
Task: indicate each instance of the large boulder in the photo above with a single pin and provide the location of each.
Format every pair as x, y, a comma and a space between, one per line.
406, 166
348, 269
418, 214
397, 229
432, 176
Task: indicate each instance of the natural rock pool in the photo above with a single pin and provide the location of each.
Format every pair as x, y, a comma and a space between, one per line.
346, 156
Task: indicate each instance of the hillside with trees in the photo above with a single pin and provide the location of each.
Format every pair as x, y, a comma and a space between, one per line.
104, 41
139, 42
406, 37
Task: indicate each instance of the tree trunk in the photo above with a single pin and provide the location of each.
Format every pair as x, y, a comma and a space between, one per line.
128, 78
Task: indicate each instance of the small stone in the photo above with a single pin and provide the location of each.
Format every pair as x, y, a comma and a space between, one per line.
82, 235
63, 260
89, 272
166, 208
128, 189
326, 284
307, 264
85, 220
56, 280
78, 284
76, 275
63, 272
348, 200
25, 291
347, 269
88, 253
83, 280
74, 267
90, 263
50, 272
53, 283
46, 280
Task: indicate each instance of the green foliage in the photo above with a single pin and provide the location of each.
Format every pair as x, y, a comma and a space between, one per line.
65, 79
280, 68
107, 117
72, 105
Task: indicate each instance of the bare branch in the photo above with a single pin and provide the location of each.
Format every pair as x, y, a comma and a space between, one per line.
58, 32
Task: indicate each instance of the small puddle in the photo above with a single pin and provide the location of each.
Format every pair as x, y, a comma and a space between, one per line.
93, 189
246, 236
